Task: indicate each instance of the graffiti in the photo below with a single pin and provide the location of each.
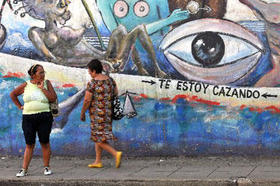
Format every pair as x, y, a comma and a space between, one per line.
210, 90
205, 73
233, 92
198, 87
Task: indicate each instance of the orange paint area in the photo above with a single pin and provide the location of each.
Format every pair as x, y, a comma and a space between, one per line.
68, 85
272, 109
14, 74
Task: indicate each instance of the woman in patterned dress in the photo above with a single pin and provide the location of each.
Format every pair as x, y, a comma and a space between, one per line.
100, 91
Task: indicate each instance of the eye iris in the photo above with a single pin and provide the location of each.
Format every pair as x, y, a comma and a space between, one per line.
208, 49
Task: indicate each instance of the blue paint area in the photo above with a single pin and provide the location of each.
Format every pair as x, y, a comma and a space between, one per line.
18, 43
160, 128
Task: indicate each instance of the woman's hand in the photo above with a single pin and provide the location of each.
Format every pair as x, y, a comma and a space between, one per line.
41, 85
83, 117
21, 108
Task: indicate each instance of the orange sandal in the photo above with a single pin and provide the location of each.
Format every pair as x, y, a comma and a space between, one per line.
95, 165
118, 159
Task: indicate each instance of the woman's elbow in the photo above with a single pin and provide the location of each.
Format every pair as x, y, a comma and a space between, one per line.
53, 99
12, 95
87, 101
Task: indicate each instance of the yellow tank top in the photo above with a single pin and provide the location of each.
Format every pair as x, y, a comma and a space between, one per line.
34, 99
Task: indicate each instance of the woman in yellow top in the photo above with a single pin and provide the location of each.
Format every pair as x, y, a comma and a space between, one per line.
36, 115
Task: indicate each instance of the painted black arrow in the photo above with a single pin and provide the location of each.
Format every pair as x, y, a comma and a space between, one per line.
151, 82
266, 95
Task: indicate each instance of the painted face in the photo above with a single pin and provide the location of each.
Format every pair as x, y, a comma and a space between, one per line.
132, 13
39, 74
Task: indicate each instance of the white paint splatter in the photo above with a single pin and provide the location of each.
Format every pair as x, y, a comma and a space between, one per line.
15, 40
57, 131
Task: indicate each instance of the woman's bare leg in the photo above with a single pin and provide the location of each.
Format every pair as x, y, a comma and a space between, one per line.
98, 153
108, 148
27, 156
46, 149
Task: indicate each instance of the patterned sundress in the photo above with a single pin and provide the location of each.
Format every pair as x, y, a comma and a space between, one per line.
100, 109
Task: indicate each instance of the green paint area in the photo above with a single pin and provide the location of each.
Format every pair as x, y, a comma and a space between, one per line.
4, 130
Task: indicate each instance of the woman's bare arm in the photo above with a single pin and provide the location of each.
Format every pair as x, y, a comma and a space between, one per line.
86, 104
49, 93
116, 93
15, 93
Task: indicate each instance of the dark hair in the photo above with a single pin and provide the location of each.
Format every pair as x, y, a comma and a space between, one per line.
96, 65
33, 69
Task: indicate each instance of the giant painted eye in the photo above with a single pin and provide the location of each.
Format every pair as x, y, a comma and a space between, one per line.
212, 51
208, 49
121, 9
141, 8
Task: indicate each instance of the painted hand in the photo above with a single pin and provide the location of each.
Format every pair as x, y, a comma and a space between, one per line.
178, 15
83, 117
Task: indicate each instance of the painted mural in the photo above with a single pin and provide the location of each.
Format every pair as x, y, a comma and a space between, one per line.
203, 75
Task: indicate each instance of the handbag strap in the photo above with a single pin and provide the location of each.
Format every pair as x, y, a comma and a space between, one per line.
46, 81
114, 86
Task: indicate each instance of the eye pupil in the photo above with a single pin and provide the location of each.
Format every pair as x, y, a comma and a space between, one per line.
121, 9
208, 49
142, 9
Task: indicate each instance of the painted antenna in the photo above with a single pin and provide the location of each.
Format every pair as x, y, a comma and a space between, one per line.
94, 24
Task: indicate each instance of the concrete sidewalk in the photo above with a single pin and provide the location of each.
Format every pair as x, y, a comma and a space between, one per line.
146, 171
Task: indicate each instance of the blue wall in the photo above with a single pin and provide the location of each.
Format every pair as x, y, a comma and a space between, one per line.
177, 125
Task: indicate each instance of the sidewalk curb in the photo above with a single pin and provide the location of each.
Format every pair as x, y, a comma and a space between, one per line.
146, 182
134, 182
200, 171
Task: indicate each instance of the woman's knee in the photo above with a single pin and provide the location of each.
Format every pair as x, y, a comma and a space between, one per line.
100, 144
97, 144
45, 145
30, 147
